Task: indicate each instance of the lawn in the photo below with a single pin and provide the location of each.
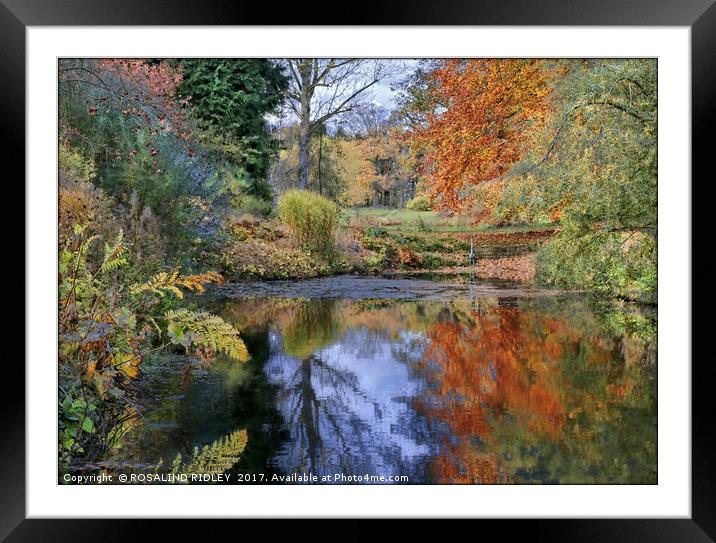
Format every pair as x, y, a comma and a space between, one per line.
408, 219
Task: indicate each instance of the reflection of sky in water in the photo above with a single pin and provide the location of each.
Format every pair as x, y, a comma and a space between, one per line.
440, 392
347, 406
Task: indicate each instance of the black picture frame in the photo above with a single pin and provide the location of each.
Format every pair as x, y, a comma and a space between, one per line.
699, 15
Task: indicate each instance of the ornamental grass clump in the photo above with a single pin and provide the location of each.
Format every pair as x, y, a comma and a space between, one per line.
313, 220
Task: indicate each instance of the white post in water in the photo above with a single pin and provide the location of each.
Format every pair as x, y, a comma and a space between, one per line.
472, 252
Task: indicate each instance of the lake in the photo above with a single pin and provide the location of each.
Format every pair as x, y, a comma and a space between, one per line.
377, 380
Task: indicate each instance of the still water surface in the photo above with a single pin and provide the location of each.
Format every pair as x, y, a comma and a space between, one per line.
441, 383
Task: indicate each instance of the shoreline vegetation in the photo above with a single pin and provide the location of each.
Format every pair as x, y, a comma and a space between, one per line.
178, 175
266, 249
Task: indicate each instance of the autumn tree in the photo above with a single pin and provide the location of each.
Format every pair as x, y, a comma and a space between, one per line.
142, 93
127, 118
600, 165
483, 112
389, 177
361, 163
321, 89
383, 150
359, 170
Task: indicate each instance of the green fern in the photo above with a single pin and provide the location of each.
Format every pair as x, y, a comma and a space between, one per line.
215, 458
75, 278
202, 328
114, 254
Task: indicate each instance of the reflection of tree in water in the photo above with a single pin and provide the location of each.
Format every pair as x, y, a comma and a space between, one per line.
531, 397
312, 325
252, 407
344, 397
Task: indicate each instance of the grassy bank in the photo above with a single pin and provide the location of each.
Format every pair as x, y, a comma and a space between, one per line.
373, 240
380, 240
407, 220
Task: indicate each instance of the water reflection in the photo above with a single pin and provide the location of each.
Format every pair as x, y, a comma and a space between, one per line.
531, 398
347, 407
541, 391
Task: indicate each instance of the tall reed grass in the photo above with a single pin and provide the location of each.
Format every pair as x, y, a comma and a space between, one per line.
312, 218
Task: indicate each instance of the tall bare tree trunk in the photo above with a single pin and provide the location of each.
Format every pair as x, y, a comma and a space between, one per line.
304, 155
320, 157
304, 142
344, 83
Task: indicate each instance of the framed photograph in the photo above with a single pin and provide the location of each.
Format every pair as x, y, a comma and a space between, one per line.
435, 264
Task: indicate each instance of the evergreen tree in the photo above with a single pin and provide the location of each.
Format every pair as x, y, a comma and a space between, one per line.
230, 99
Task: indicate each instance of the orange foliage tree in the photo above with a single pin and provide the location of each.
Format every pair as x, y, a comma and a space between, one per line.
486, 112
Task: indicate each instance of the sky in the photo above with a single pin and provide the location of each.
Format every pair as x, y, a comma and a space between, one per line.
381, 93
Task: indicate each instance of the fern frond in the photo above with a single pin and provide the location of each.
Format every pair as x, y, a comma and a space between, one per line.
218, 457
161, 284
170, 282
197, 282
203, 328
114, 254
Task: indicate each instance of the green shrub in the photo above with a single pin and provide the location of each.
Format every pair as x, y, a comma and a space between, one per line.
74, 166
375, 232
253, 205
422, 226
420, 203
430, 261
312, 219
609, 263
